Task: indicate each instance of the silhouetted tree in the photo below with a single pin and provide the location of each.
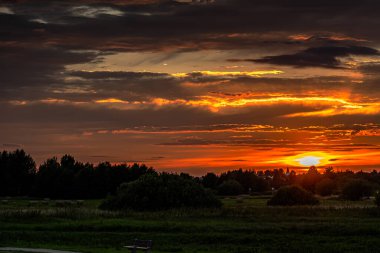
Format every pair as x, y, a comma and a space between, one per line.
17, 170
310, 179
329, 173
84, 182
248, 179
68, 178
325, 187
292, 177
68, 163
210, 180
356, 189
279, 179
230, 187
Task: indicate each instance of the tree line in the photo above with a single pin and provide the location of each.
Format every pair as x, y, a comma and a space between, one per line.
63, 179
347, 184
67, 178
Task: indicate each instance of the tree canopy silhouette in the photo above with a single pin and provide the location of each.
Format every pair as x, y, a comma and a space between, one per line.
67, 178
17, 170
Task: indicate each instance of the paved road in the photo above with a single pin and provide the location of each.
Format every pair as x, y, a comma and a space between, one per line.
35, 250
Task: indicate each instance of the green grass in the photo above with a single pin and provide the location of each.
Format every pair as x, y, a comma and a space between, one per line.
244, 224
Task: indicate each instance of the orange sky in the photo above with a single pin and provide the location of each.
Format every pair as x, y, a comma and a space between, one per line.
192, 87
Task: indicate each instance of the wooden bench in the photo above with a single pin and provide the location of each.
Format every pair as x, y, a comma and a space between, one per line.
144, 245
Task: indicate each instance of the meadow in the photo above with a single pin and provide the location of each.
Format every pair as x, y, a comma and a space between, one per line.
244, 224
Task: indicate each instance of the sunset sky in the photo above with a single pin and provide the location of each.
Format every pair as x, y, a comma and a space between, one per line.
193, 86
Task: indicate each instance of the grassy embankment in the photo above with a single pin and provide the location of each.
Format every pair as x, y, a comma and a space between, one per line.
244, 224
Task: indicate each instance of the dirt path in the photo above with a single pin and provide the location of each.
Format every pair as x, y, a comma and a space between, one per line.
34, 250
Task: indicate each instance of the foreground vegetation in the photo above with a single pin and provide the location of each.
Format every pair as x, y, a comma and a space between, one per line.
244, 224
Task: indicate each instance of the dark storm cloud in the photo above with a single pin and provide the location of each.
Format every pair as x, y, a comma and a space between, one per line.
37, 63
324, 57
27, 72
35, 54
173, 25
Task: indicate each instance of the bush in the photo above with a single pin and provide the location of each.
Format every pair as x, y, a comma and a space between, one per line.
356, 189
160, 192
325, 187
292, 195
230, 187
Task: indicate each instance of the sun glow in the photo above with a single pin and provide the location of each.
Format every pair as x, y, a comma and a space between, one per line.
310, 159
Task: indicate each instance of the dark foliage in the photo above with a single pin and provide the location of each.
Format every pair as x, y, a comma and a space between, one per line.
64, 179
230, 188
17, 170
356, 189
67, 178
248, 179
310, 179
292, 195
210, 180
325, 187
161, 192
70, 179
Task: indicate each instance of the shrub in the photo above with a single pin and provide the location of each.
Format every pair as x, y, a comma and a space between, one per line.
230, 187
292, 195
325, 187
356, 189
160, 192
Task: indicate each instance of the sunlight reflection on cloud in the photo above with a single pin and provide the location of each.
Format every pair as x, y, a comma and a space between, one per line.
93, 12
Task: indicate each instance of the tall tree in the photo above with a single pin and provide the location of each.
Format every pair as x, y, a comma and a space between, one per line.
17, 171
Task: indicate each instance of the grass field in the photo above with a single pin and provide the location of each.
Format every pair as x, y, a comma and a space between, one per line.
244, 224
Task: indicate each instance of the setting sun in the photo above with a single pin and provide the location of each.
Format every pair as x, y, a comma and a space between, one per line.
310, 159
